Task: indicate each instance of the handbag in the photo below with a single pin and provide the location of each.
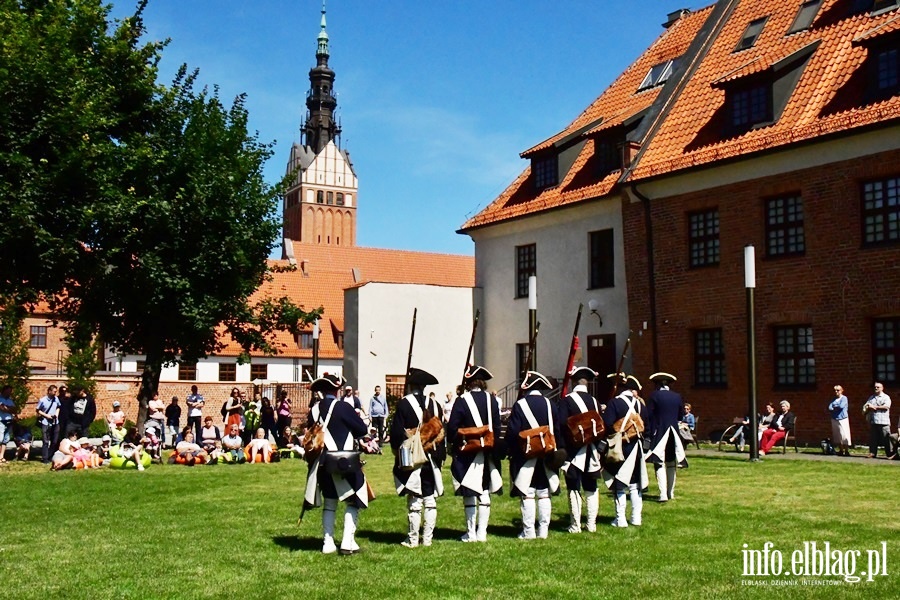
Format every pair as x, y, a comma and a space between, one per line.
585, 427
539, 440
313, 440
342, 462
479, 438
616, 452
412, 454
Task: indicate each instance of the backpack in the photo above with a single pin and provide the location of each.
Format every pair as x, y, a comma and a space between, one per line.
224, 410
827, 447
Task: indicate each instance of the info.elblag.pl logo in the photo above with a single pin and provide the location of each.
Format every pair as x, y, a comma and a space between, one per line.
816, 560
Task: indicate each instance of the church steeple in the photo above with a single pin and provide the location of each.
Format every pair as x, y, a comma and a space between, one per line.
320, 127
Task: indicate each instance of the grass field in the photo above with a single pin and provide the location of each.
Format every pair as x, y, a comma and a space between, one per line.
231, 531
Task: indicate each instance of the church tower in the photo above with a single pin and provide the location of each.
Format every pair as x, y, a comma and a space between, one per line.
320, 205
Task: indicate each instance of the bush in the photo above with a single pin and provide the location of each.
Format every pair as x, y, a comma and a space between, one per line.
98, 429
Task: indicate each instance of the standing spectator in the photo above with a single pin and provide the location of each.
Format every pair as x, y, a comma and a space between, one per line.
156, 417
48, 415
284, 411
173, 418
840, 421
877, 410
82, 410
65, 409
267, 417
778, 429
195, 410
448, 403
116, 422
378, 410
233, 410
251, 417
7, 412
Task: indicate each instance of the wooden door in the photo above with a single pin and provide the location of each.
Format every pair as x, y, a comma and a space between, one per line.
602, 357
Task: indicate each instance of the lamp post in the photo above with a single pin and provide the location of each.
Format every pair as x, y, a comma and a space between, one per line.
750, 285
532, 321
315, 349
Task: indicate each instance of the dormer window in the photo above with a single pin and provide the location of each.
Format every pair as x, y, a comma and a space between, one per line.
545, 171
751, 34
658, 74
883, 6
887, 61
751, 106
805, 16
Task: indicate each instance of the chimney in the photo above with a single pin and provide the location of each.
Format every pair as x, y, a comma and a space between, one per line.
304, 267
675, 16
287, 251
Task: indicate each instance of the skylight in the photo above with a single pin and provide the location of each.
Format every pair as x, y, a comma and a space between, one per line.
751, 33
805, 16
658, 74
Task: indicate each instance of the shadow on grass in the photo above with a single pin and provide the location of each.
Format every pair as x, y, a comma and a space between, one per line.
381, 537
295, 543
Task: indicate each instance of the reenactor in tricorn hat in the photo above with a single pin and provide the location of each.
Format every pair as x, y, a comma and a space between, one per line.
421, 484
666, 408
583, 467
625, 414
474, 422
346, 482
532, 422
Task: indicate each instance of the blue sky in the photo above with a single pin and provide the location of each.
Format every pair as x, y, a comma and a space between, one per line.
436, 98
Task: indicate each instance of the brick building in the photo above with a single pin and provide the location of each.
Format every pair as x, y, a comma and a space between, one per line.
777, 126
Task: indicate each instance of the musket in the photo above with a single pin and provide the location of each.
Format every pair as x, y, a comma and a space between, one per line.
471, 347
615, 389
412, 337
531, 344
573, 346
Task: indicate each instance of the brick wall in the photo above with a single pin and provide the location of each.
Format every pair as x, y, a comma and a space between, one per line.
837, 287
125, 387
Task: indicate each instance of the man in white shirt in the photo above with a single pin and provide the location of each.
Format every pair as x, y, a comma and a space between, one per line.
877, 410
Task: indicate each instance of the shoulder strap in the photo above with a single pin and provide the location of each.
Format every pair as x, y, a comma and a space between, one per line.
476, 416
630, 403
414, 404
529, 416
579, 402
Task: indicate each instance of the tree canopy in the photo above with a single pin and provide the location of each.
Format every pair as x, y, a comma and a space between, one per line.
137, 208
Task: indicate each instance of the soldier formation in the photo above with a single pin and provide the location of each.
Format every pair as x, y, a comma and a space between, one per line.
577, 436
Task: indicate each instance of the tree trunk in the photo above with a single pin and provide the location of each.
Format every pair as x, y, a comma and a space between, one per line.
149, 385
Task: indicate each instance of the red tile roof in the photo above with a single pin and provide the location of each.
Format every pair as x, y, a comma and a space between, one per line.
614, 107
826, 100
323, 273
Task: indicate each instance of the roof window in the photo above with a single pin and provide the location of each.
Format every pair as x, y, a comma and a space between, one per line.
658, 74
883, 6
751, 34
805, 16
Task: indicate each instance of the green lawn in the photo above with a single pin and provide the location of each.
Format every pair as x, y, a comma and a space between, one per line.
231, 531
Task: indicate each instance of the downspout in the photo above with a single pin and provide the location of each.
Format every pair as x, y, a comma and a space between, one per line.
651, 272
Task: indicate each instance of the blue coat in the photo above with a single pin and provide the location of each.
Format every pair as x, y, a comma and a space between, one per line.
343, 428
632, 470
665, 408
537, 474
478, 473
424, 480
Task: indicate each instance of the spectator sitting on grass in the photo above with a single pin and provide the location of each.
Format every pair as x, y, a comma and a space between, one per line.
189, 452
116, 422
103, 450
85, 457
132, 449
233, 445
64, 458
209, 433
23, 438
151, 443
216, 453
260, 446
289, 446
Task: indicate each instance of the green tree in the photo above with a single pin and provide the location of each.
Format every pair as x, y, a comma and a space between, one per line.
74, 88
137, 209
13, 350
83, 359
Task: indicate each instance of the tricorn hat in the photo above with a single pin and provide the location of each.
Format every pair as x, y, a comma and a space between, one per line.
663, 378
535, 381
420, 377
327, 383
477, 372
627, 381
582, 373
